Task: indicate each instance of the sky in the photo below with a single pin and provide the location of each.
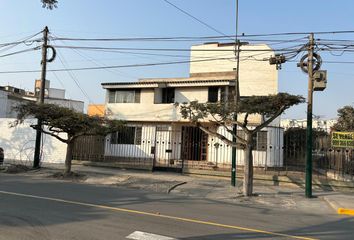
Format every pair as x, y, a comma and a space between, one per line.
156, 18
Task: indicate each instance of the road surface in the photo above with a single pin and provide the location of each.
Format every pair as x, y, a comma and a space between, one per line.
39, 209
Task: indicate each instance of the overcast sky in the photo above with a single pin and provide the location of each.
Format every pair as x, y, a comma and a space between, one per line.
156, 18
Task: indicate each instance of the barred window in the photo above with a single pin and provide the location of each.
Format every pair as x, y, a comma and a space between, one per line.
259, 141
127, 135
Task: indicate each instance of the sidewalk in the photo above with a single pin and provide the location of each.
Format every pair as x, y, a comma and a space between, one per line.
342, 203
283, 196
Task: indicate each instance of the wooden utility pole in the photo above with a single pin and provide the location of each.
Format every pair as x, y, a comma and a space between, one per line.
40, 100
308, 190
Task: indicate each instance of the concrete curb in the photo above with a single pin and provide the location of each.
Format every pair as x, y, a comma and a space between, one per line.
338, 207
345, 211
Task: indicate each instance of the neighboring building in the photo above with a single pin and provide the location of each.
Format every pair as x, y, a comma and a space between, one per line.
96, 110
325, 125
18, 142
157, 132
11, 96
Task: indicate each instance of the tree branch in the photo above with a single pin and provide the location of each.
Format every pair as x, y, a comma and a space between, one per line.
265, 123
35, 127
220, 136
235, 135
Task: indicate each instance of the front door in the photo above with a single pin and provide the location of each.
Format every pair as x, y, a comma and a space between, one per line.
194, 144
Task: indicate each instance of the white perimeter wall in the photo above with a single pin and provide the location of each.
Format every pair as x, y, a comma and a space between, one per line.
272, 156
19, 143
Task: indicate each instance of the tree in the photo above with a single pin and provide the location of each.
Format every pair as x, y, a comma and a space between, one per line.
49, 4
65, 124
345, 119
221, 114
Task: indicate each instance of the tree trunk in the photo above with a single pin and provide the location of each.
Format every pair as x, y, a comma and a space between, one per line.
248, 167
69, 157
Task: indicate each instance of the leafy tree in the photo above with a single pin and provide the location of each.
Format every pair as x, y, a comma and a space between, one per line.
65, 124
345, 119
222, 114
49, 4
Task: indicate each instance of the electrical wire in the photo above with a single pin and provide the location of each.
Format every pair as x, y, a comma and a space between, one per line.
195, 18
19, 52
76, 81
172, 49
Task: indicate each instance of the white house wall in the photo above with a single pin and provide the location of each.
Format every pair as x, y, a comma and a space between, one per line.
146, 110
191, 94
19, 143
160, 140
256, 77
272, 157
167, 145
131, 150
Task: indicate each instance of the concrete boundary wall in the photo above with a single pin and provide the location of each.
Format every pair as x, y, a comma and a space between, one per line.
19, 142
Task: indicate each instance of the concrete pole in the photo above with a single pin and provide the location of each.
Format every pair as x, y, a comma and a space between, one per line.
308, 183
37, 149
237, 97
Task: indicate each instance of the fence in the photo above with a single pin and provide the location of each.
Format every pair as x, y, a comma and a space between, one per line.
176, 147
340, 161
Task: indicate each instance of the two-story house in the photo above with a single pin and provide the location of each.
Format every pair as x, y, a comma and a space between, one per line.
157, 134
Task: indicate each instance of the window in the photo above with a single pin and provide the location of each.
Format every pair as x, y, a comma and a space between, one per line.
213, 93
259, 141
128, 135
124, 96
168, 95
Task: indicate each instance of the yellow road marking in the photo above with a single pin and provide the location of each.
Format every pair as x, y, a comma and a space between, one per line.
158, 215
346, 211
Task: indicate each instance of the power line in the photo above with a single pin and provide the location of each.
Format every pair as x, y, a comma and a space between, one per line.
114, 66
173, 49
195, 18
73, 77
19, 52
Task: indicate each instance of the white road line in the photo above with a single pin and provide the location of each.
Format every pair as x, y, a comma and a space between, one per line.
138, 235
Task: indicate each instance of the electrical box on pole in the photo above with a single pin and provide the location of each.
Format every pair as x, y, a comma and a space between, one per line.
320, 80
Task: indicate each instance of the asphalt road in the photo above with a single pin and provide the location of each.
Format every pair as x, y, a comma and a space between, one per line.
48, 209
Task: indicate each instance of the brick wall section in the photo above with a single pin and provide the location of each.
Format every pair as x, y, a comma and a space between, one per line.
18, 143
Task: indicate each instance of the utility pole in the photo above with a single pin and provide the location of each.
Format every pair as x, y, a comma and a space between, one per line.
234, 129
237, 97
308, 190
41, 98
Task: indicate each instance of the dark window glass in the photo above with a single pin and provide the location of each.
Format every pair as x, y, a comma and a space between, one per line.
112, 96
168, 95
138, 133
213, 94
261, 141
128, 135
137, 96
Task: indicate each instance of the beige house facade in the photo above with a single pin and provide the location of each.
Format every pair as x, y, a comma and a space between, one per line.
155, 128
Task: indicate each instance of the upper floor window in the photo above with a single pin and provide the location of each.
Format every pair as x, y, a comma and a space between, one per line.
213, 93
168, 95
124, 96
